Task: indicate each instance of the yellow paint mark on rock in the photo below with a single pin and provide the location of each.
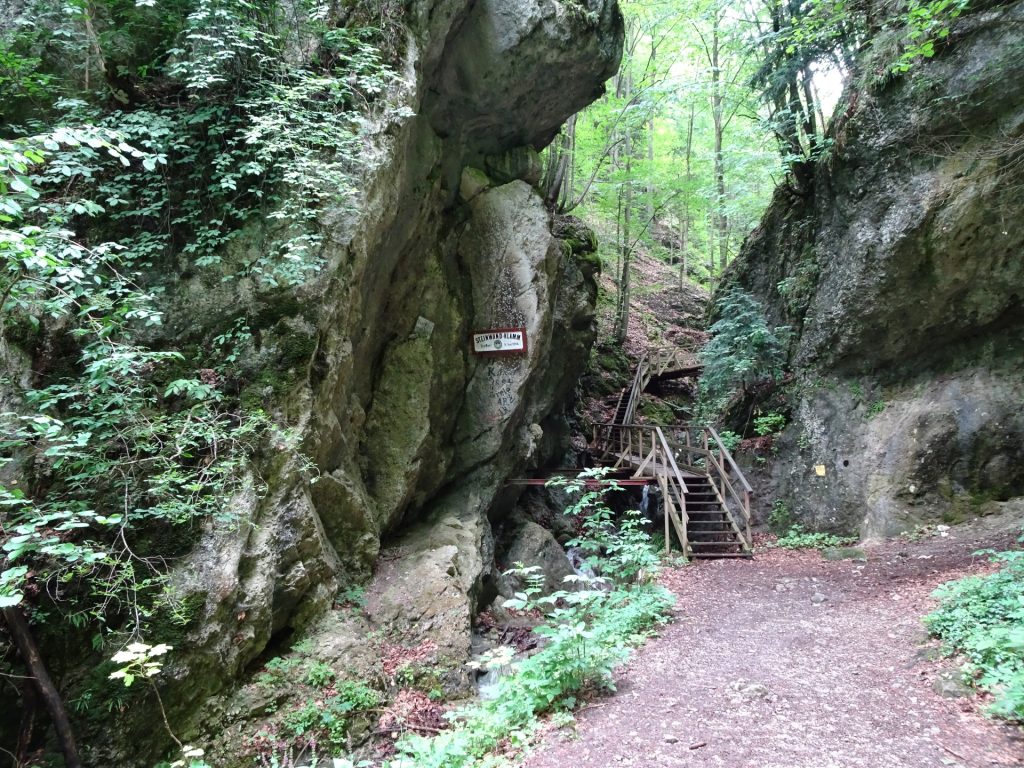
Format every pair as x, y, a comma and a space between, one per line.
819, 470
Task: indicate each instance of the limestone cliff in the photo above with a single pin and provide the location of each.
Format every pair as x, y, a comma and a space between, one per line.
412, 436
897, 267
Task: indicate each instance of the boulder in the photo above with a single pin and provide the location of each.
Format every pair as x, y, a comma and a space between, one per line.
517, 68
532, 545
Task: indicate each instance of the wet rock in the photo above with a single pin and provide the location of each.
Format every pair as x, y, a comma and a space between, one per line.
533, 545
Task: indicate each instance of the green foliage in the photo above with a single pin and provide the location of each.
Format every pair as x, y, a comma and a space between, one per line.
769, 423
798, 288
781, 517
587, 632
319, 675
743, 349
982, 618
925, 25
618, 549
127, 450
794, 42
278, 670
876, 408
327, 721
648, 148
353, 595
730, 440
592, 636
797, 538
138, 660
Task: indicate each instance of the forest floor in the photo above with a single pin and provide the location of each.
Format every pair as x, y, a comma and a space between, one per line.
794, 661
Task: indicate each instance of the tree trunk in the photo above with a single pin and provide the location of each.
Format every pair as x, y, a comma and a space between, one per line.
622, 323
626, 211
650, 149
569, 182
710, 223
717, 109
27, 727
684, 224
47, 690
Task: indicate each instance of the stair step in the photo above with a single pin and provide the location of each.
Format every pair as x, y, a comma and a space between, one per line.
720, 521
710, 555
732, 543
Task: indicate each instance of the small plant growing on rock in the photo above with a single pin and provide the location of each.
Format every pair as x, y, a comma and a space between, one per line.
780, 518
320, 675
769, 424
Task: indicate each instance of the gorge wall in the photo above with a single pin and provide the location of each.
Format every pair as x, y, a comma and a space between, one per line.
412, 437
897, 268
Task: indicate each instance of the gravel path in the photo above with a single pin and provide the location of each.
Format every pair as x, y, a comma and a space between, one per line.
792, 661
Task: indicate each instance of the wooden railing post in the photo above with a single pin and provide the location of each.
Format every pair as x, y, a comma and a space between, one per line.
663, 484
746, 514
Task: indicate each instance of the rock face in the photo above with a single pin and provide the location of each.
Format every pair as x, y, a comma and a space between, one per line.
502, 81
412, 436
897, 267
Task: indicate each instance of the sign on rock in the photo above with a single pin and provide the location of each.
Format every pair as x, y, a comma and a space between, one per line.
500, 341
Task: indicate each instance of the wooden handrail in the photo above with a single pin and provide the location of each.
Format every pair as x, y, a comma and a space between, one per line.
622, 440
729, 459
619, 440
744, 501
616, 440
654, 362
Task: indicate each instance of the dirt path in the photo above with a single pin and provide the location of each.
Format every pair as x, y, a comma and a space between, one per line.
792, 661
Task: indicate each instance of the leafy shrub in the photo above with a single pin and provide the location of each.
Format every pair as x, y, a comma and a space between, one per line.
730, 439
618, 549
319, 675
580, 651
132, 449
797, 538
982, 618
327, 721
769, 424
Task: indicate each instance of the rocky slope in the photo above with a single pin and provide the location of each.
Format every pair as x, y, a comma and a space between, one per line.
897, 269
412, 436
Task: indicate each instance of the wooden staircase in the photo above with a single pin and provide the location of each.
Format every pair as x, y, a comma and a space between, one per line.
706, 498
659, 364
711, 531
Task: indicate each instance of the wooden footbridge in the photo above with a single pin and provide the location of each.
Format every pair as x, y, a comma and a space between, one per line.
705, 497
